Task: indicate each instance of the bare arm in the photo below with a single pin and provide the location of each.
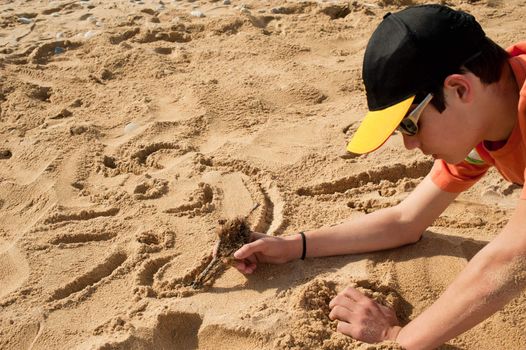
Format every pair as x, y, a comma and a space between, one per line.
385, 228
490, 280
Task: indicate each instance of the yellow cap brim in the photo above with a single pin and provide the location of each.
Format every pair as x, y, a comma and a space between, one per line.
377, 126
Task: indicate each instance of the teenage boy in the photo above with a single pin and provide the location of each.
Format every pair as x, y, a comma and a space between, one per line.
431, 73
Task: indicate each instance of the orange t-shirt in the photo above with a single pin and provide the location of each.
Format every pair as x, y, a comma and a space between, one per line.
510, 159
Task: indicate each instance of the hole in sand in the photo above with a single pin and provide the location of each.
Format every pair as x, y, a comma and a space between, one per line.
176, 330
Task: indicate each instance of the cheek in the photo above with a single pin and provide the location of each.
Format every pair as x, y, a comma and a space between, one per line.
452, 142
441, 136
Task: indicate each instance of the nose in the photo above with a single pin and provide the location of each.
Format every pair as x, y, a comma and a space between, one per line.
411, 142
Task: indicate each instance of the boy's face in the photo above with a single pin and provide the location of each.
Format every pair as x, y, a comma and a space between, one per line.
445, 135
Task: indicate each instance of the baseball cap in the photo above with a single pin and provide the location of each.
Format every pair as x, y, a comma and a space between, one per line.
410, 52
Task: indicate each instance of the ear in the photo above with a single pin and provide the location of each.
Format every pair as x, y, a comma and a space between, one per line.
459, 86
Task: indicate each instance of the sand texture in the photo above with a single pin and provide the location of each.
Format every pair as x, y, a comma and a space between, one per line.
129, 129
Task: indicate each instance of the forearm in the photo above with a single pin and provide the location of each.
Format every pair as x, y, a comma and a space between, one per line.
385, 228
382, 229
490, 280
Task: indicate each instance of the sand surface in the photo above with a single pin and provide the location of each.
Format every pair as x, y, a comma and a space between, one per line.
129, 128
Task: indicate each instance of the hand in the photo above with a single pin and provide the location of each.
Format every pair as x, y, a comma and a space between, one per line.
266, 249
363, 318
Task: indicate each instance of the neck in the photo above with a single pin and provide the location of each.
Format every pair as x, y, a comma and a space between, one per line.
502, 99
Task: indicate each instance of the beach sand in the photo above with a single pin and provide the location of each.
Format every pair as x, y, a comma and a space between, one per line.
128, 129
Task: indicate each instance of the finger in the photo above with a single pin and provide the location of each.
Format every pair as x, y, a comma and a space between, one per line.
254, 236
389, 313
249, 249
345, 328
386, 310
340, 313
250, 266
241, 266
245, 266
354, 294
340, 299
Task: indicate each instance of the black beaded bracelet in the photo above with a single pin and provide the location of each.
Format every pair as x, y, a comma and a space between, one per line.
304, 240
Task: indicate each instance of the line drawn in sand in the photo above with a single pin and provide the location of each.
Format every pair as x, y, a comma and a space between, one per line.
91, 277
202, 201
394, 173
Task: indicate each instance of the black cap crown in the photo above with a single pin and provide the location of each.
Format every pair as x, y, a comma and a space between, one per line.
415, 49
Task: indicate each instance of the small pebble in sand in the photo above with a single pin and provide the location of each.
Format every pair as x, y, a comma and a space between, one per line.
226, 2
78, 129
59, 35
244, 9
24, 20
197, 13
59, 50
76, 103
278, 10
64, 113
56, 14
5, 154
130, 127
90, 34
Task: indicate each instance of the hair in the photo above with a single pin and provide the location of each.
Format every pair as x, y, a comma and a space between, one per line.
486, 65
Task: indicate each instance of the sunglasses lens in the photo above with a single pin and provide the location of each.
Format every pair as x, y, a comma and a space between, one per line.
409, 127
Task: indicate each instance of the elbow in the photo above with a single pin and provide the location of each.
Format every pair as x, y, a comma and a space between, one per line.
413, 237
409, 231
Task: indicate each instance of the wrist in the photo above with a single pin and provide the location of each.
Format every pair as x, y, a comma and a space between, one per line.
393, 332
294, 246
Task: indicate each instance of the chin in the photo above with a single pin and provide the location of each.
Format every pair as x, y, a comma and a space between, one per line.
451, 159
455, 158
